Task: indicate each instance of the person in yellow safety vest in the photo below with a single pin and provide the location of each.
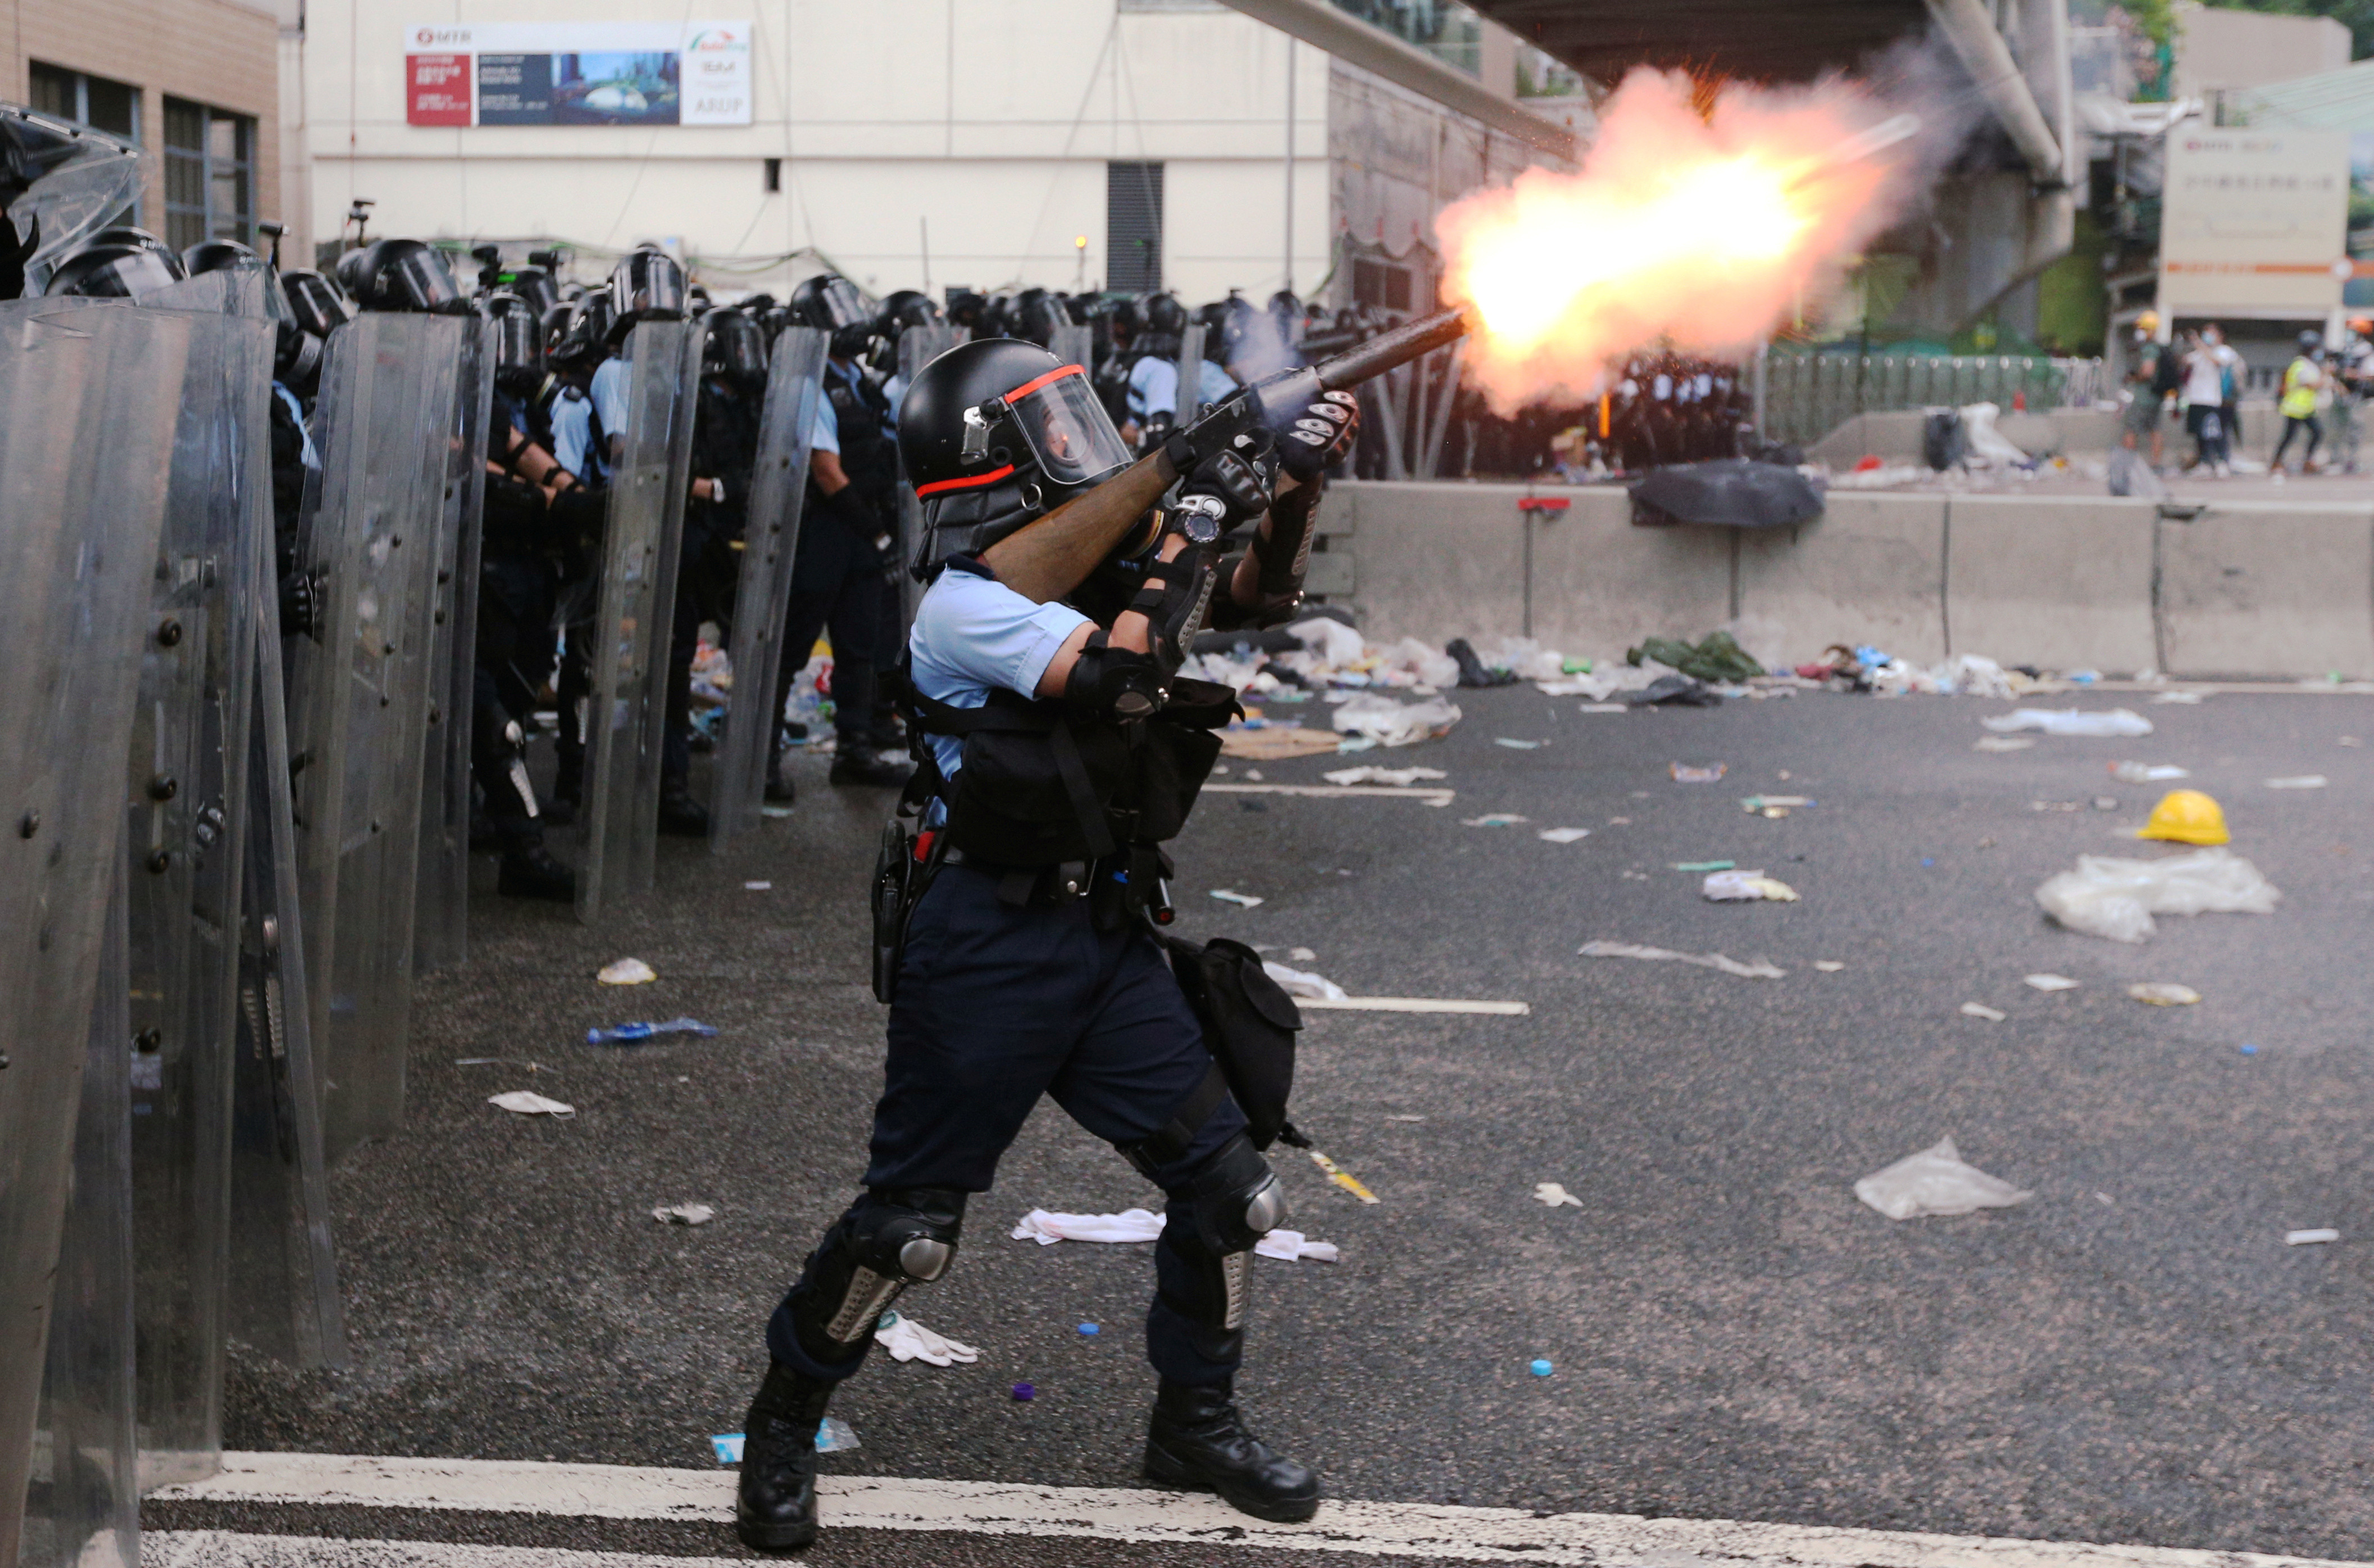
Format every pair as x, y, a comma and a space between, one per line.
2303, 379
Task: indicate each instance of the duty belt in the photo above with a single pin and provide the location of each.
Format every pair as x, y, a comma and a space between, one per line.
1018, 886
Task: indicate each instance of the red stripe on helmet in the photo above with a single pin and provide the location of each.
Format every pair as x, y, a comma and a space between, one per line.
1027, 388
972, 482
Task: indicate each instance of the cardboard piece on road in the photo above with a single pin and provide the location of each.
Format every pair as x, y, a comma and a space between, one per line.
1274, 743
1413, 1004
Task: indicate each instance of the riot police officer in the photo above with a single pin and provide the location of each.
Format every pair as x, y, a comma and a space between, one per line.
1057, 751
576, 346
518, 580
846, 529
724, 456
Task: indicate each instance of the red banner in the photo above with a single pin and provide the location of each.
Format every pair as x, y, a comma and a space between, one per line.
438, 90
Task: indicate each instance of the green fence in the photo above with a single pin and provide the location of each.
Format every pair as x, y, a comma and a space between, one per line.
1808, 395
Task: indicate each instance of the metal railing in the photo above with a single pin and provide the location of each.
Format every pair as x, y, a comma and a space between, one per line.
1808, 395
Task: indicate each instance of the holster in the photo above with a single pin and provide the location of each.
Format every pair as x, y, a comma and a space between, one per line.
903, 870
1249, 1026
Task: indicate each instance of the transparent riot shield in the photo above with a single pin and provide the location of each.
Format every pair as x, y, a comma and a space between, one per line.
284, 1284
442, 905
625, 717
90, 398
359, 696
83, 1508
778, 488
1074, 345
918, 347
1191, 375
186, 789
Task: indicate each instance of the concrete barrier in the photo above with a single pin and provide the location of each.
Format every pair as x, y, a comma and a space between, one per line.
2264, 589
2060, 581
2253, 589
1872, 568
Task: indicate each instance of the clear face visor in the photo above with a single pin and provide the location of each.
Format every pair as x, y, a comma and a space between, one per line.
1067, 428
649, 285
844, 304
519, 348
314, 304
422, 279
735, 350
126, 278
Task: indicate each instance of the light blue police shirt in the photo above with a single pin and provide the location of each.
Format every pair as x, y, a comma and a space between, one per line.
1154, 386
572, 433
609, 394
973, 634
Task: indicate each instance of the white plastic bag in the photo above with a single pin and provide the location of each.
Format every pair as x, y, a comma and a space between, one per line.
1331, 640
2119, 721
1432, 666
1935, 1181
2117, 900
1394, 723
1528, 658
1303, 982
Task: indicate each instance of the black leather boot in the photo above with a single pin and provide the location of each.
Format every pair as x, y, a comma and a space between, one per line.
774, 1502
681, 814
1198, 1441
530, 872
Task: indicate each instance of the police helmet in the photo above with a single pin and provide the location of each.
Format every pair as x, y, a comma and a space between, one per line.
401, 274
733, 350
519, 341
587, 336
646, 286
831, 303
117, 264
319, 305
1164, 314
965, 306
1034, 316
217, 255
1126, 317
534, 286
996, 432
904, 308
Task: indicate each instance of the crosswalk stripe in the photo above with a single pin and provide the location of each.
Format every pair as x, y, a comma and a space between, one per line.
1393, 1529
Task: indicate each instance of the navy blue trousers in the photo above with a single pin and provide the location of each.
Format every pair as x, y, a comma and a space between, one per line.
998, 1005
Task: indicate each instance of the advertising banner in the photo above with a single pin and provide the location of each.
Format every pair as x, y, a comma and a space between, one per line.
577, 74
2254, 222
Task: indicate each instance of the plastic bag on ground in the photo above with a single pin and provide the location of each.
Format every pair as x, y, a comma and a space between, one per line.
1394, 723
2129, 475
1302, 982
1759, 969
1526, 657
1331, 640
1430, 666
1935, 1181
2117, 900
2117, 722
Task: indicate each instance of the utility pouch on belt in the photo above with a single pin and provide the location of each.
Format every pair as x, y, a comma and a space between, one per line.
1250, 1025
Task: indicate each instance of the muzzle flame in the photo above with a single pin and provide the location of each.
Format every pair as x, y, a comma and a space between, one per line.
1702, 232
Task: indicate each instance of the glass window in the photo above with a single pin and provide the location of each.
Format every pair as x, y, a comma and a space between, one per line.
104, 105
1444, 29
209, 175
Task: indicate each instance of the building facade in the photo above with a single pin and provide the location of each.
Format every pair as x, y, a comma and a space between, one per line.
1068, 144
193, 83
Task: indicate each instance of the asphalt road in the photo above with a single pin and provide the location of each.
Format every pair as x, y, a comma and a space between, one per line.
2134, 1355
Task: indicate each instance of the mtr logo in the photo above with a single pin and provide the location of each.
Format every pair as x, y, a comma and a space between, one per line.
440, 37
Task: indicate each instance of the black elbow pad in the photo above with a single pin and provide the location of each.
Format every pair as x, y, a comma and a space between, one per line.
1114, 683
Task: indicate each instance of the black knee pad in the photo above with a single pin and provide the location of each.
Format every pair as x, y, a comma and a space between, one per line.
1236, 1198
887, 1242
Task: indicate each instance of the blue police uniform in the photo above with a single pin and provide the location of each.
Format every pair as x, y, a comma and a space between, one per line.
1154, 386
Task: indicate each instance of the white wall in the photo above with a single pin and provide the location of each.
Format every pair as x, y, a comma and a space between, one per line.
991, 118
2220, 48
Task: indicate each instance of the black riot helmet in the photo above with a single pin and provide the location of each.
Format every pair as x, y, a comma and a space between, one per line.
519, 341
996, 432
585, 337
733, 350
1034, 316
1164, 314
646, 286
217, 255
117, 264
965, 306
534, 286
320, 307
996, 315
401, 274
830, 303
903, 309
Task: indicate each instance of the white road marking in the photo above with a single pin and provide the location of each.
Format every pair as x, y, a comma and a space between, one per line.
1386, 1529
1412, 1004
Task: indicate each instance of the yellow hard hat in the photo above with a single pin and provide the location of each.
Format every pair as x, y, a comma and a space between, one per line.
2188, 816
2148, 321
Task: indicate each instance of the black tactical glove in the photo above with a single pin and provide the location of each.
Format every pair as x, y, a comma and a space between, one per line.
1235, 477
1216, 432
303, 595
1320, 436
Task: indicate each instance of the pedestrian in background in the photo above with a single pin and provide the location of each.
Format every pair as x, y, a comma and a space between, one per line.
2144, 394
2304, 387
2203, 397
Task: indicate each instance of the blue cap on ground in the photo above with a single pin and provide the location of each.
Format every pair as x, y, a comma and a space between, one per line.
1090, 1328
1542, 1369
1025, 1392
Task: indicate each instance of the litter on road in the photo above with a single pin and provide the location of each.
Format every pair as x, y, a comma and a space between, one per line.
1554, 1196
1394, 723
2048, 982
1607, 707
1303, 983
1828, 965
628, 1033
1541, 1368
1759, 969
1519, 745
2186, 816
684, 1215
2002, 743
1738, 887
1139, 1224
1413, 1004
1399, 778
1685, 774
907, 1339
758, 886
2117, 900
2119, 722
626, 972
1230, 895
2309, 1238
1935, 1181
1335, 791
1756, 805
1704, 865
1562, 835
1980, 1010
527, 1102
1302, 955
2159, 993
834, 1436
2147, 772
1493, 819
2305, 781
1023, 1393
